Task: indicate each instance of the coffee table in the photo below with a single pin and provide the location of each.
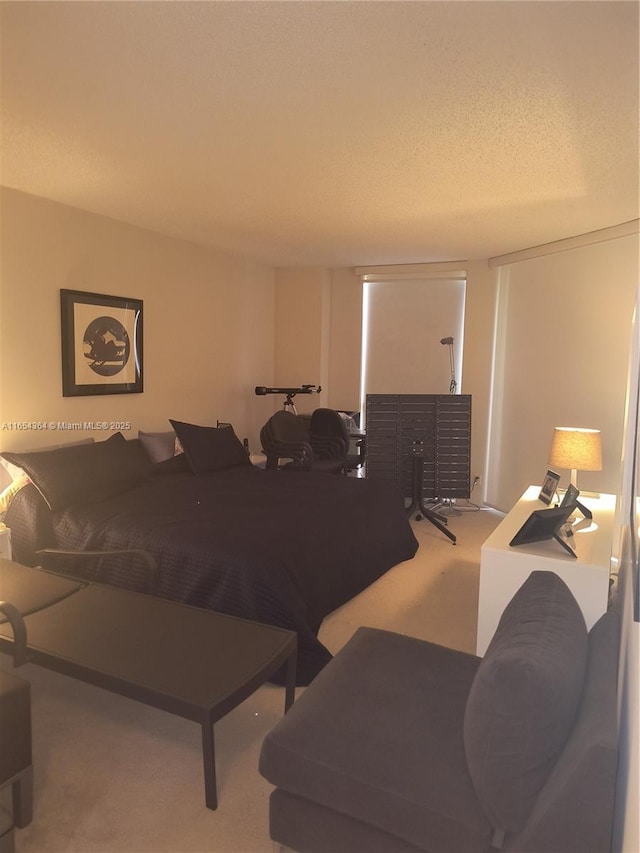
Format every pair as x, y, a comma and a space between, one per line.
188, 661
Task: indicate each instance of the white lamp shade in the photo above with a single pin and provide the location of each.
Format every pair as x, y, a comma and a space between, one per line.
576, 448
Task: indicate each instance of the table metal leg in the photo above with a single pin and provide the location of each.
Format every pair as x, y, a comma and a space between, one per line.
290, 689
22, 791
209, 762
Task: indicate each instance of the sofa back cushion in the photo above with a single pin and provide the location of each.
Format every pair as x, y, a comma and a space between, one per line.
574, 812
524, 699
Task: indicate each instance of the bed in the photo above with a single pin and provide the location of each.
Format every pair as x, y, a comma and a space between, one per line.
276, 547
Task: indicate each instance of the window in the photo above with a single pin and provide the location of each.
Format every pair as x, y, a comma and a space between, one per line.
404, 322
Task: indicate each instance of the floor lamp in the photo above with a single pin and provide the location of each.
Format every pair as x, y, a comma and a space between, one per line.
452, 384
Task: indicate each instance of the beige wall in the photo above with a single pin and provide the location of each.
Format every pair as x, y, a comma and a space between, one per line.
208, 323
479, 320
346, 340
318, 336
303, 304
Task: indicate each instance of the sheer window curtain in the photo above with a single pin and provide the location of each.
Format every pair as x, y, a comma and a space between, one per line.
404, 321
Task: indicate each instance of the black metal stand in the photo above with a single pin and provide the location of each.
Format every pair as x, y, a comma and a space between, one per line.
565, 545
584, 510
289, 405
417, 502
445, 506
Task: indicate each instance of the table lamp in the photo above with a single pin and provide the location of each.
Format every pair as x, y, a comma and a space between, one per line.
577, 449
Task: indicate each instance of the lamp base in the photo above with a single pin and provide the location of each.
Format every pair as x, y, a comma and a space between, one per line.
574, 480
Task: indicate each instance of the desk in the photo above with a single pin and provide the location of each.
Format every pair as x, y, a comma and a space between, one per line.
503, 569
185, 660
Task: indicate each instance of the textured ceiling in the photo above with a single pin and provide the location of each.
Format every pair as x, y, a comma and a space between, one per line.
329, 133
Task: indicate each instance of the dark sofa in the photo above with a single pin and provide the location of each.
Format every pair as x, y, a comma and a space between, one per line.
401, 745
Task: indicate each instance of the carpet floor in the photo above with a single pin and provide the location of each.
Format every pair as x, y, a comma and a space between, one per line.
114, 776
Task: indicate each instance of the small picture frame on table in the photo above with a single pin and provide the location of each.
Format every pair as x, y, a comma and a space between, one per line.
549, 487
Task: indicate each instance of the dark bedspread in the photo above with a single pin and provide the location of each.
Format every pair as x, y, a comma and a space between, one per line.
281, 548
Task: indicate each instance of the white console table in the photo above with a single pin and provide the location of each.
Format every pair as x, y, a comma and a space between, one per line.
503, 568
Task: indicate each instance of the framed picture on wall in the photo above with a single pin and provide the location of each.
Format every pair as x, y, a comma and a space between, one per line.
549, 487
101, 344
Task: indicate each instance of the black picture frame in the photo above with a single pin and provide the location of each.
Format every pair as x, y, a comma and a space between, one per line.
570, 496
571, 499
544, 524
549, 487
102, 344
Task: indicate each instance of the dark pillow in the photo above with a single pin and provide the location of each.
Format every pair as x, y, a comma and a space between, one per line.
524, 698
209, 448
86, 472
176, 465
10, 472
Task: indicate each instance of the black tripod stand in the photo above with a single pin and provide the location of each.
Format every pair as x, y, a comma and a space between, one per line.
417, 501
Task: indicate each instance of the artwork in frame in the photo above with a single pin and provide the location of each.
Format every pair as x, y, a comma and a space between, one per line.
549, 487
101, 344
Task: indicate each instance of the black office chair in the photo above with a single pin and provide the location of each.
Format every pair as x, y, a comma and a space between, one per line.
285, 436
327, 425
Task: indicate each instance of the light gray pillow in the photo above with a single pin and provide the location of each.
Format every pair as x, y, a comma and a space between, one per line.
158, 445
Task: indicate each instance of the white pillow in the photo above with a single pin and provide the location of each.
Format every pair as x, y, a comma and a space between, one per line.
12, 489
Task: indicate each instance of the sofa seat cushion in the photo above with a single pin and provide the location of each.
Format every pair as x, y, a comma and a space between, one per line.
525, 698
377, 736
299, 824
